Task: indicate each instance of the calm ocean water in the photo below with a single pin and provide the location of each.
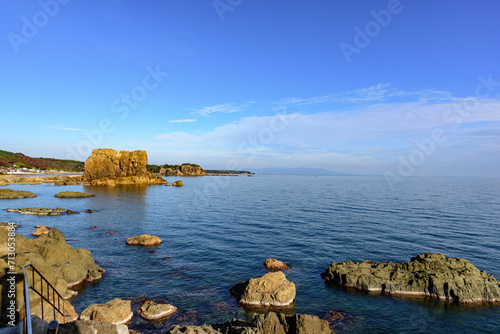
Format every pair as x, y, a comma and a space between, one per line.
217, 231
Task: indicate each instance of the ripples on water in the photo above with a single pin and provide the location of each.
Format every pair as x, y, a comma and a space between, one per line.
217, 231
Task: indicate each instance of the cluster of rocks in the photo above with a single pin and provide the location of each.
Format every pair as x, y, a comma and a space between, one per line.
270, 323
41, 229
429, 274
14, 194
110, 167
73, 194
42, 211
61, 264
183, 170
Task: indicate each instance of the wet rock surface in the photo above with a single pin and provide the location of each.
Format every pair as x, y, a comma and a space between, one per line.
450, 279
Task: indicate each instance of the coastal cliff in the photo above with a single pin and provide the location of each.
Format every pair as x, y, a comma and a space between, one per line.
109, 167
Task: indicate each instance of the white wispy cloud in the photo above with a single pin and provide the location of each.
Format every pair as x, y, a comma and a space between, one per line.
220, 108
62, 127
187, 120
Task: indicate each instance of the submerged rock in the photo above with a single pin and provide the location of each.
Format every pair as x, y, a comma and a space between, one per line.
110, 167
271, 323
73, 194
151, 311
434, 275
13, 194
42, 211
144, 240
273, 264
272, 289
116, 311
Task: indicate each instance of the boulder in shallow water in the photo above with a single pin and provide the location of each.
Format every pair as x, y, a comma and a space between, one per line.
273, 264
144, 240
272, 289
40, 229
434, 275
151, 311
177, 183
116, 311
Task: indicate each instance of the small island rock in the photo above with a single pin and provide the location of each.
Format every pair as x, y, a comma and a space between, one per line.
152, 311
73, 194
273, 264
272, 289
116, 311
13, 194
177, 183
144, 240
434, 275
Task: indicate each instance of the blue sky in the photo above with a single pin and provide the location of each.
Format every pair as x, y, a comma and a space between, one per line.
389, 87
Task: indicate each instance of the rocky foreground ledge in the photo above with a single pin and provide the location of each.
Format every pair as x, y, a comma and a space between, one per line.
451, 279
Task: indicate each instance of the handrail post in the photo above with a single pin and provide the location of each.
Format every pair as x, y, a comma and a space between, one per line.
27, 313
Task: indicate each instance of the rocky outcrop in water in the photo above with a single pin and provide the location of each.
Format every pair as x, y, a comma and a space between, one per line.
272, 289
109, 167
42, 211
144, 240
177, 183
57, 180
41, 229
271, 323
273, 264
73, 194
152, 311
13, 194
116, 311
434, 275
182, 170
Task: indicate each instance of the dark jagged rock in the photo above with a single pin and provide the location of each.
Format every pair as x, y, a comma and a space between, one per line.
109, 167
73, 194
271, 323
13, 194
434, 275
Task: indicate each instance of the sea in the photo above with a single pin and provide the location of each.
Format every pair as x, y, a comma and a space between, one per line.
218, 230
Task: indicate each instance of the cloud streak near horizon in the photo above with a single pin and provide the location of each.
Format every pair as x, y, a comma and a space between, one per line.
373, 131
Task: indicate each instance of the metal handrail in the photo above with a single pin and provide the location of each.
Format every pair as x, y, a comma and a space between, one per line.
27, 315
